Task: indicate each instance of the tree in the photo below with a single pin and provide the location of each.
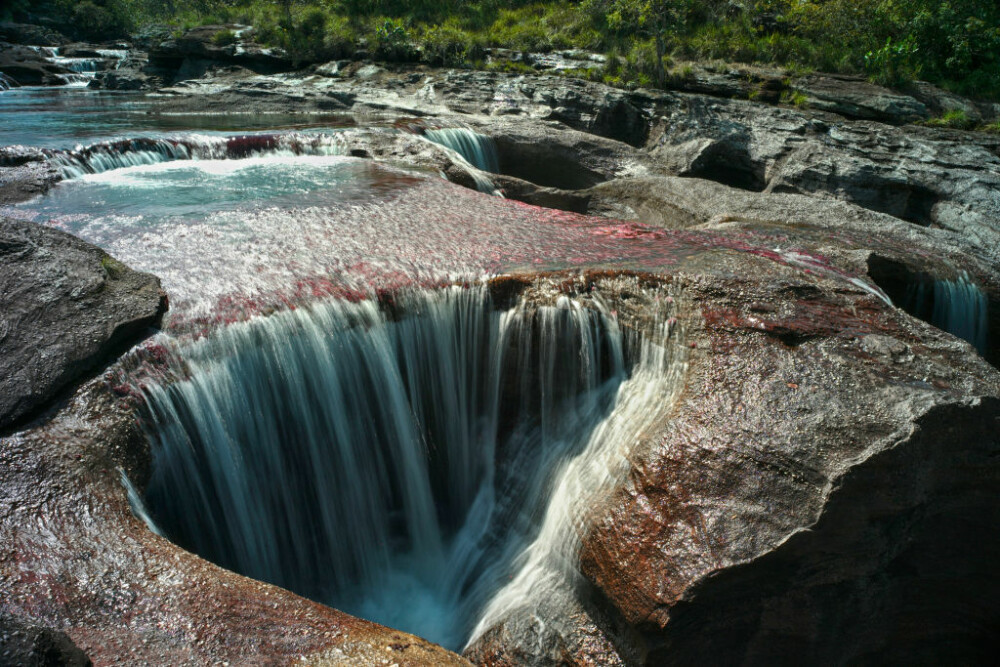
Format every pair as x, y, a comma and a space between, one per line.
649, 18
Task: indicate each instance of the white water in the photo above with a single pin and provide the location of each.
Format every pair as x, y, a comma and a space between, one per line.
108, 156
474, 151
394, 468
547, 570
478, 150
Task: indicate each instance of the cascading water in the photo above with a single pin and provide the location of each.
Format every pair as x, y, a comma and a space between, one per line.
956, 306
362, 460
107, 156
478, 150
473, 149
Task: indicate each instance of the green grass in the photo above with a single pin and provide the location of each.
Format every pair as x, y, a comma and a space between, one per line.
954, 44
955, 119
795, 98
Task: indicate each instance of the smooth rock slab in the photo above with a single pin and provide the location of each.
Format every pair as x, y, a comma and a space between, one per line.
65, 306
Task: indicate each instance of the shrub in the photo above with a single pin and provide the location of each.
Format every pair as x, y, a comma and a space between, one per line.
451, 46
107, 20
893, 64
392, 40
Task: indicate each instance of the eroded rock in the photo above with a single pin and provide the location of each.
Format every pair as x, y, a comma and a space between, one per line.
65, 306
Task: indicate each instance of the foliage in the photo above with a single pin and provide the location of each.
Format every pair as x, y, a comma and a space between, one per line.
97, 19
795, 98
451, 46
955, 43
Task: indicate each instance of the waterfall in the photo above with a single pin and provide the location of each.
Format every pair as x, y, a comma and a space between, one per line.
365, 456
956, 306
477, 149
108, 155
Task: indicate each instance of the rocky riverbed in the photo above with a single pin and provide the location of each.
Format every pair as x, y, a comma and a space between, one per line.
821, 487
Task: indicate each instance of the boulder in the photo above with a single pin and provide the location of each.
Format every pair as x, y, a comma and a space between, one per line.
855, 97
25, 173
805, 497
66, 307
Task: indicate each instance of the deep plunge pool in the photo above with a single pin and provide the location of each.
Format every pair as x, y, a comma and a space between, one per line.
390, 466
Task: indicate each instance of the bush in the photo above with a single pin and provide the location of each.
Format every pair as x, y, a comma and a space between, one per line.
893, 64
392, 40
99, 22
450, 46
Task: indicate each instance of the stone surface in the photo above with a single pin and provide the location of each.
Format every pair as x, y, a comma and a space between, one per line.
200, 44
74, 558
855, 97
24, 173
65, 306
34, 35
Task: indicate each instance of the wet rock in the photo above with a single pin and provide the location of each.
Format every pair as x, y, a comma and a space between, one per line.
813, 491
135, 72
73, 556
552, 156
24, 173
66, 306
806, 495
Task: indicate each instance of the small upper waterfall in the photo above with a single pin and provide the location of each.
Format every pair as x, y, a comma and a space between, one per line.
957, 306
356, 453
478, 149
475, 150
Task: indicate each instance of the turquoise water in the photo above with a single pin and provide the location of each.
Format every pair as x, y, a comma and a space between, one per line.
64, 117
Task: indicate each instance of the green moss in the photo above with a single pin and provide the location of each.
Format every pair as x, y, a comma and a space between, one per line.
112, 267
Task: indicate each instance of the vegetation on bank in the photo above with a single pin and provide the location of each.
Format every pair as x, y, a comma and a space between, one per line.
955, 44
